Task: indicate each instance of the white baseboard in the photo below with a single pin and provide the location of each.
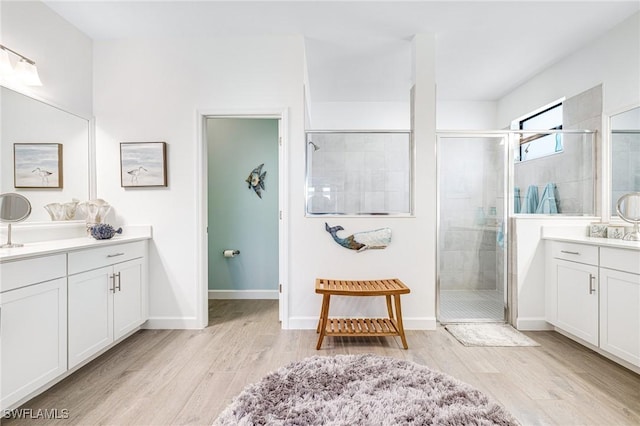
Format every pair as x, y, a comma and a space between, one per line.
310, 323
172, 323
533, 324
243, 294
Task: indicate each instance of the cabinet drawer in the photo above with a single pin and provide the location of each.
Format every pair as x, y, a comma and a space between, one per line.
620, 259
20, 273
86, 260
575, 252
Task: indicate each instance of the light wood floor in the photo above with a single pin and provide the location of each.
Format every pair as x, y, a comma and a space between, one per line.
187, 377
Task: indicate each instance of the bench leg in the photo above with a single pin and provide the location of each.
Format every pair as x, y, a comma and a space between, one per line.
389, 306
324, 314
396, 299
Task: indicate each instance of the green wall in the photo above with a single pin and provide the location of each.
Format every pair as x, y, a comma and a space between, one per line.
238, 218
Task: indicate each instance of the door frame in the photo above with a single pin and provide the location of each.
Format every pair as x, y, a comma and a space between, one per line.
201, 169
507, 206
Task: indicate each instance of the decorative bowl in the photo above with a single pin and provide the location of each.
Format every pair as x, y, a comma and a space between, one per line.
102, 231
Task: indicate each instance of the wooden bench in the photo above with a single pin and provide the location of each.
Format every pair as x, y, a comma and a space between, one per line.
391, 326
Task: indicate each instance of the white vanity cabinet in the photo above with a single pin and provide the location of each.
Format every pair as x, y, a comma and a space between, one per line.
572, 289
62, 303
106, 288
592, 292
33, 325
620, 303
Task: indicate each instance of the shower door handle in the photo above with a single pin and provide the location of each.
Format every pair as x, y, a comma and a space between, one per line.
592, 288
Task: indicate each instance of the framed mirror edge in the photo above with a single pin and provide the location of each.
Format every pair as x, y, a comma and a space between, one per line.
44, 100
91, 148
607, 213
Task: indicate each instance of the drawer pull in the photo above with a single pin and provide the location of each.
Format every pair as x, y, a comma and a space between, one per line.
115, 255
113, 279
569, 252
592, 288
118, 286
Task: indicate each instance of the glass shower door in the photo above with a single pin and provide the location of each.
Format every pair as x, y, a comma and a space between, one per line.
472, 213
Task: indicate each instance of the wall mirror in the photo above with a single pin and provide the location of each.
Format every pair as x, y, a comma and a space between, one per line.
25, 120
625, 155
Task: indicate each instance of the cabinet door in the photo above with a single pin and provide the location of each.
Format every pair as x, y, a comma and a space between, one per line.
620, 314
90, 313
127, 299
577, 299
33, 328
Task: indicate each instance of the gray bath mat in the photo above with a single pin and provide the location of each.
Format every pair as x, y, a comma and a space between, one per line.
489, 334
361, 390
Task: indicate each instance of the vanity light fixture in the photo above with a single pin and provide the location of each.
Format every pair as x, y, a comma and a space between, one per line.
25, 70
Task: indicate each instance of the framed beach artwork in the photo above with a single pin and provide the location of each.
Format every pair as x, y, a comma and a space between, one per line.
143, 164
37, 165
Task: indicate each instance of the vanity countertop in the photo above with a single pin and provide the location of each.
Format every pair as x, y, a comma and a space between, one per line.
603, 242
70, 244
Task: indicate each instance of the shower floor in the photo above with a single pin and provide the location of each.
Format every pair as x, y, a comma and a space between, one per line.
471, 306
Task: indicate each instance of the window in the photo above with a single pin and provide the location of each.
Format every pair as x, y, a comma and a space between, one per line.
536, 145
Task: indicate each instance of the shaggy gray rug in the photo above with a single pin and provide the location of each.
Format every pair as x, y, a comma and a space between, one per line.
361, 390
489, 334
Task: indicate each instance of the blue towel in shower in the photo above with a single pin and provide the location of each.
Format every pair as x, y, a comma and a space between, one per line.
530, 200
500, 234
548, 203
516, 200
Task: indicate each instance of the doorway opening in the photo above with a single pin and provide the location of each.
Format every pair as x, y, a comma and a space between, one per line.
242, 251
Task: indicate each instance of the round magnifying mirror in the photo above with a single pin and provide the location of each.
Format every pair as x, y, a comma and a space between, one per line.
628, 208
13, 208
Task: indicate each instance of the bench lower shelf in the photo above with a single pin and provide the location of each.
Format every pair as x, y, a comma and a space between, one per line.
361, 327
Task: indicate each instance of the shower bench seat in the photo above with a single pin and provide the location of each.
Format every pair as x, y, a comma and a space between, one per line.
391, 326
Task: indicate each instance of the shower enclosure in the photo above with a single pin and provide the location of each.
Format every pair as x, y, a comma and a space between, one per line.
484, 178
472, 244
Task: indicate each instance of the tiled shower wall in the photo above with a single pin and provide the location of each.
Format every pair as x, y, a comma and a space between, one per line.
573, 170
471, 187
358, 172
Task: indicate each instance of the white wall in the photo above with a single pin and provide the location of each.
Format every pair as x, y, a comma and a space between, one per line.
62, 54
466, 115
612, 60
360, 115
155, 98
151, 90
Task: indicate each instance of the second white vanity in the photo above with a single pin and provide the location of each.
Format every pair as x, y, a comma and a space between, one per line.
64, 302
592, 294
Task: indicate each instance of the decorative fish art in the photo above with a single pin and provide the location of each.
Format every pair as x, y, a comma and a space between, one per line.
361, 241
256, 180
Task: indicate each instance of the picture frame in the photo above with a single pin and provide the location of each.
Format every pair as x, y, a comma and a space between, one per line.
598, 230
37, 165
143, 164
615, 232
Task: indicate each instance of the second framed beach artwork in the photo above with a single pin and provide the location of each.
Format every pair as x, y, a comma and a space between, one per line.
143, 164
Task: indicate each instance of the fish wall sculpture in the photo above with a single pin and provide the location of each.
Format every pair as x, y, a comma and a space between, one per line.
256, 180
361, 241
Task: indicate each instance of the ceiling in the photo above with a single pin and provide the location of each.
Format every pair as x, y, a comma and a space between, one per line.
361, 51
